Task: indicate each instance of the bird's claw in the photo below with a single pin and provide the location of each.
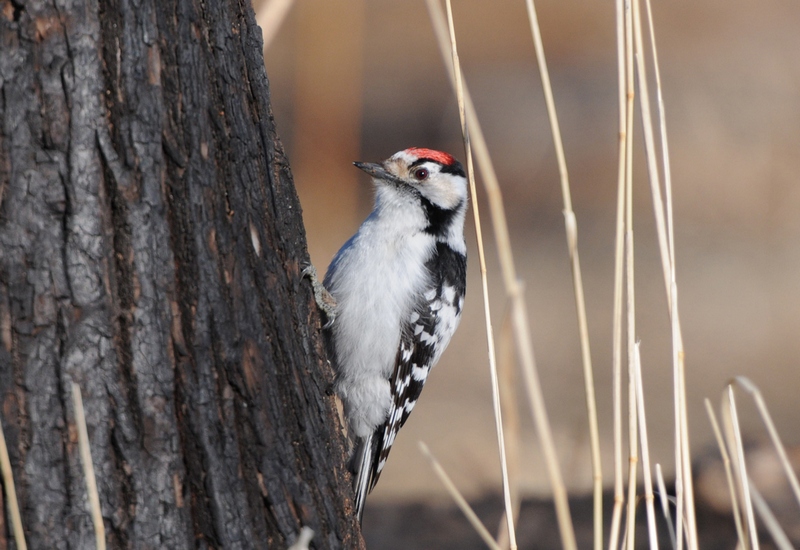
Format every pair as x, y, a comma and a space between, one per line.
325, 301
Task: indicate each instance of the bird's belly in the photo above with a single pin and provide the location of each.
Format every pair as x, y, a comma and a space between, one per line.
388, 277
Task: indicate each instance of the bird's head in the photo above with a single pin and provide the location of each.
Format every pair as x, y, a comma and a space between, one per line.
435, 177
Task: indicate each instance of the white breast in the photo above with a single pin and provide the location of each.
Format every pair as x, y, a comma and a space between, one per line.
375, 279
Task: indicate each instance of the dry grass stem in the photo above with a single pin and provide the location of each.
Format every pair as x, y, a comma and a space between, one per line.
484, 283
684, 488
747, 385
664, 501
648, 481
11, 494
88, 469
768, 518
577, 279
619, 256
748, 492
514, 292
733, 437
626, 533
633, 453
511, 420
630, 325
726, 463
679, 367
458, 498
649, 147
270, 16
662, 124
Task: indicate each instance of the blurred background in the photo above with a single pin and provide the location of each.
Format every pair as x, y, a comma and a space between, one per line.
357, 80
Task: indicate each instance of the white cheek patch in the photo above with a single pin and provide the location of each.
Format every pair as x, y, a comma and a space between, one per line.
444, 190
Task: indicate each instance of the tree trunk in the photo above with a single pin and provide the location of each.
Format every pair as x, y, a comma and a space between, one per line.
151, 243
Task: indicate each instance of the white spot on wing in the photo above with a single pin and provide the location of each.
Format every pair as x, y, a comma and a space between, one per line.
401, 385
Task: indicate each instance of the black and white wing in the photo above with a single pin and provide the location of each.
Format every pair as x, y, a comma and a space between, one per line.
425, 335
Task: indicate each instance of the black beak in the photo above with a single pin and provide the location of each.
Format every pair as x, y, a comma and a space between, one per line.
373, 169
377, 171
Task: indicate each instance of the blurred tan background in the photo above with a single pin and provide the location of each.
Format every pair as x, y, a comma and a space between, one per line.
357, 80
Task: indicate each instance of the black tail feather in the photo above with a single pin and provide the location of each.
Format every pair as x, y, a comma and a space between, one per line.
361, 466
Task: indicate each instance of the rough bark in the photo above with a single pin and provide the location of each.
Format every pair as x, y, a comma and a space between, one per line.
150, 250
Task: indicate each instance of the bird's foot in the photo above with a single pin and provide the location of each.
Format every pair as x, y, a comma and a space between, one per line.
325, 301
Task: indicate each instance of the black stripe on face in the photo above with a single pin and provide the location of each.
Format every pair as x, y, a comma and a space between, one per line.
454, 168
438, 218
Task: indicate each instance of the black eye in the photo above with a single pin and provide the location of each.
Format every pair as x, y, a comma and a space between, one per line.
421, 174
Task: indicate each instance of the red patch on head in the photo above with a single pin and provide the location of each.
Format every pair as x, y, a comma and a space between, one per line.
430, 154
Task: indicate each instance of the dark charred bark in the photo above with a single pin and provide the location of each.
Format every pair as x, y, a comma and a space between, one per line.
151, 243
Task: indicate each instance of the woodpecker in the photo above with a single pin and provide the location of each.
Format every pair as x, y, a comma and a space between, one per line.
396, 292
